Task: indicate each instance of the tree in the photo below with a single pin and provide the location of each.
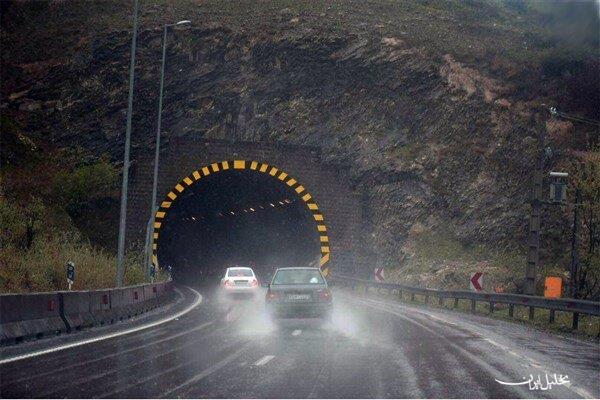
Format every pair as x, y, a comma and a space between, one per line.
587, 179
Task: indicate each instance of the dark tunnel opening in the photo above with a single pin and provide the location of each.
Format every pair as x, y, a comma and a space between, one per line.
233, 218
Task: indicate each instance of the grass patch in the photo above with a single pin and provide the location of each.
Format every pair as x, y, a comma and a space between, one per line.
438, 260
42, 267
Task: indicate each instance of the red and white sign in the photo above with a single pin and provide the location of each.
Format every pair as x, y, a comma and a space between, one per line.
379, 275
476, 282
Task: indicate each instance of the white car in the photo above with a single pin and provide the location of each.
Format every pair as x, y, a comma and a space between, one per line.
239, 280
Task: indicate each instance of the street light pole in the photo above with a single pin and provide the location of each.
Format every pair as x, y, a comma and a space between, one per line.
154, 206
123, 218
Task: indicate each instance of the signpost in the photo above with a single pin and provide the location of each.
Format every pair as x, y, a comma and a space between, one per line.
70, 273
152, 273
476, 282
379, 275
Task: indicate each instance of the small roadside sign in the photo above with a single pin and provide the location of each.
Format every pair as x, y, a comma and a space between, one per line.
152, 273
553, 287
379, 275
70, 273
476, 282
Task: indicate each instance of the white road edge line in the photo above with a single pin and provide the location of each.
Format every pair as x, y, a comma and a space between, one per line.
264, 360
109, 336
386, 307
297, 332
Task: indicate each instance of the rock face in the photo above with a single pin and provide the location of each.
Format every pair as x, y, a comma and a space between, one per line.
427, 139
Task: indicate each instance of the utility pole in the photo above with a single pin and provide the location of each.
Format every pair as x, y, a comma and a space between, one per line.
574, 272
533, 242
122, 222
574, 275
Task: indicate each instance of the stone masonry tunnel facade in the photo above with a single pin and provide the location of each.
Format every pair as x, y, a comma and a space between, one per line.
327, 188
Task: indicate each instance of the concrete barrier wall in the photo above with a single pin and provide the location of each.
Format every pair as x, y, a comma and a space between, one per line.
100, 312
151, 296
76, 309
28, 316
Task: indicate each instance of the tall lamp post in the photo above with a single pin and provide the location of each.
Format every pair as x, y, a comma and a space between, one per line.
123, 217
153, 206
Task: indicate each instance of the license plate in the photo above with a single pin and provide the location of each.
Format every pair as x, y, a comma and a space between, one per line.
240, 283
298, 297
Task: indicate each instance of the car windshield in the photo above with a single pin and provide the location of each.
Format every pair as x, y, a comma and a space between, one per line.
240, 272
297, 277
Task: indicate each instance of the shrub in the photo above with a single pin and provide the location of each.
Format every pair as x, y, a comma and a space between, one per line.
85, 183
42, 267
20, 224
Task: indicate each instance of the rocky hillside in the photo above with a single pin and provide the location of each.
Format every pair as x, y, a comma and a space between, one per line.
429, 103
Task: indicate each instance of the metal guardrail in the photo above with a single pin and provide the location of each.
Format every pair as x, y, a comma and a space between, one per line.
574, 306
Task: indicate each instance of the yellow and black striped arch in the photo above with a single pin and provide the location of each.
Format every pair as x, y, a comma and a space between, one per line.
256, 166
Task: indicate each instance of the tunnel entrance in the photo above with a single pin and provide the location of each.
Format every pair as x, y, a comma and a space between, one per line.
249, 215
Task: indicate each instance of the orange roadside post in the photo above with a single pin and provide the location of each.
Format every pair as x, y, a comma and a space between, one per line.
553, 287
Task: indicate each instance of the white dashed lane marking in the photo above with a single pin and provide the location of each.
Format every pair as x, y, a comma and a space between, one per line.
296, 332
264, 360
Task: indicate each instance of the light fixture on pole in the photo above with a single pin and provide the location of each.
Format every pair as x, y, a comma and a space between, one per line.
153, 206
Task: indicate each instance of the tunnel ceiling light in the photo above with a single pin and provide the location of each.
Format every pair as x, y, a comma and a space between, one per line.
231, 212
245, 210
251, 209
272, 205
194, 218
281, 202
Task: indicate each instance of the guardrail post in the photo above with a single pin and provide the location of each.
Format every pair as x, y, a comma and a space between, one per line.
574, 306
575, 320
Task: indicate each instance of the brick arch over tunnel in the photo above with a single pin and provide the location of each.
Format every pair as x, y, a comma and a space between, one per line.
341, 204
196, 176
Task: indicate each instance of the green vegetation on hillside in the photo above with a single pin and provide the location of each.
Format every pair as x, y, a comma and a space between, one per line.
361, 80
53, 208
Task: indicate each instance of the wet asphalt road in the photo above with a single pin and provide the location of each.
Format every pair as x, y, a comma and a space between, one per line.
373, 348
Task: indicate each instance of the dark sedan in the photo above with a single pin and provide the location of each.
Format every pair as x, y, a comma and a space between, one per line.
299, 292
